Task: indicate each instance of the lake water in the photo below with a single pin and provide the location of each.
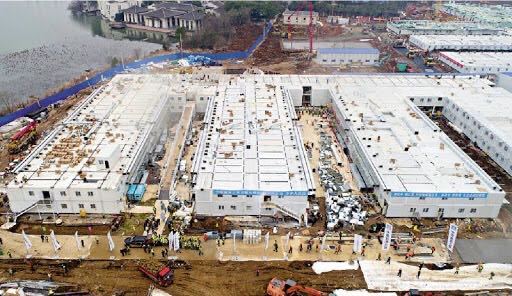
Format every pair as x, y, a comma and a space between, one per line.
43, 45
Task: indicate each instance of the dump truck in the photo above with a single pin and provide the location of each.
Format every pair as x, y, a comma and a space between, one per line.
163, 276
277, 287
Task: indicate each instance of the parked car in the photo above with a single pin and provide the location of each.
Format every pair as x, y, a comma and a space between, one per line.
136, 241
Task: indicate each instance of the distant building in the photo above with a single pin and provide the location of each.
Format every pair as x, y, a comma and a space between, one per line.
338, 20
165, 16
489, 62
109, 9
300, 18
344, 56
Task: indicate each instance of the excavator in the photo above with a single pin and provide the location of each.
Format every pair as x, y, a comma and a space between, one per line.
277, 287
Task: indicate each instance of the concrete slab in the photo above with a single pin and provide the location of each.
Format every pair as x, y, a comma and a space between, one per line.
484, 250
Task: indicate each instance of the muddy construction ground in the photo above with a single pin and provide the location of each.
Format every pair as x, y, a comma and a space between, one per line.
203, 278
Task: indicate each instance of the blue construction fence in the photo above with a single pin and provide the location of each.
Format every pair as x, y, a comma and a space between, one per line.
107, 74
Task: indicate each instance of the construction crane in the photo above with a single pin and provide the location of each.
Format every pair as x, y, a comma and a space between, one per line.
310, 26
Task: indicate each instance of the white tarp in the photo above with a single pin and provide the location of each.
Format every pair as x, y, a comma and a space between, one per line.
341, 292
383, 277
324, 266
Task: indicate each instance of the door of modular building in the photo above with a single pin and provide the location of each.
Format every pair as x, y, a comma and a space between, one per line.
267, 198
306, 96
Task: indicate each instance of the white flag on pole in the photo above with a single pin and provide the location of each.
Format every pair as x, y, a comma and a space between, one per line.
26, 240
358, 243
287, 241
267, 239
170, 238
77, 240
55, 243
452, 236
322, 247
386, 239
111, 244
176, 241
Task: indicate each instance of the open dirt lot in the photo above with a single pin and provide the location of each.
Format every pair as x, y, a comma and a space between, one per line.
204, 278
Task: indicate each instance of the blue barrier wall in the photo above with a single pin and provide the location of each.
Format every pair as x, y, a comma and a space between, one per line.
107, 74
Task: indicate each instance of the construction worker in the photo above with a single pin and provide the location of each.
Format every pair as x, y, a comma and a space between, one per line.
388, 261
257, 272
480, 267
290, 250
418, 275
421, 265
276, 246
300, 247
399, 273
492, 275
379, 257
363, 251
457, 269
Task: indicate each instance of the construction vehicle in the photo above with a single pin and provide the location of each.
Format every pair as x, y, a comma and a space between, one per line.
163, 276
23, 138
412, 53
429, 61
277, 287
310, 26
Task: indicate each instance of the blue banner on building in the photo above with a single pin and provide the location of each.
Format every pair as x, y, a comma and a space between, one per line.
259, 192
438, 194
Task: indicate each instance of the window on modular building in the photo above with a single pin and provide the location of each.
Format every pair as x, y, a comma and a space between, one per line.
220, 195
280, 196
461, 210
93, 206
444, 198
422, 198
201, 99
64, 206
221, 207
80, 206
505, 148
233, 207
101, 161
425, 210
77, 193
429, 100
63, 193
31, 193
90, 193
179, 98
248, 195
234, 195
333, 61
248, 208
324, 60
412, 210
367, 61
471, 198
473, 210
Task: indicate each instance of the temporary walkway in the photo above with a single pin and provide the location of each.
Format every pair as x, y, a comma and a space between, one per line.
62, 95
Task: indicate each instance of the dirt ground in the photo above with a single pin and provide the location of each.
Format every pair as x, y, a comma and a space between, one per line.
203, 278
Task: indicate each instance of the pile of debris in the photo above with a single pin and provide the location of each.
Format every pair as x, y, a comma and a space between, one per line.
342, 207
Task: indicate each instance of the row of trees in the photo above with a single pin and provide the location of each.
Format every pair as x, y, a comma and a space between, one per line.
218, 30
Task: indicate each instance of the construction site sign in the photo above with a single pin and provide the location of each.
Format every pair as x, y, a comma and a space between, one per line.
452, 236
386, 239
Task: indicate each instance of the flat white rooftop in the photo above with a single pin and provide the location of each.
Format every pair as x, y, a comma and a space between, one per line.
458, 42
251, 142
480, 61
409, 153
111, 124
